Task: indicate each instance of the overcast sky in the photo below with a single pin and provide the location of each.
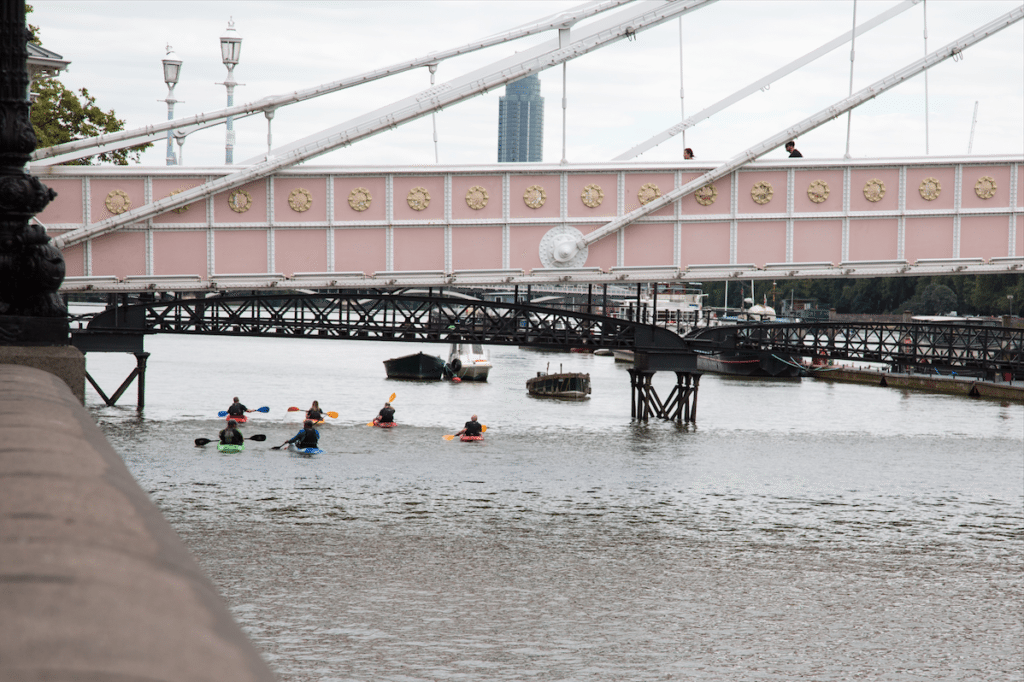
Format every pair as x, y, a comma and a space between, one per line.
618, 96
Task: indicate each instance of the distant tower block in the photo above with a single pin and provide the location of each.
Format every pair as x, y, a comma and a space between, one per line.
521, 121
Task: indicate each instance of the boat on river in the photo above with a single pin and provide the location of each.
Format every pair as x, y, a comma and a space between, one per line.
746, 363
469, 361
564, 385
419, 366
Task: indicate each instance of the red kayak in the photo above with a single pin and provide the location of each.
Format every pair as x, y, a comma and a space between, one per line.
466, 439
238, 420
385, 425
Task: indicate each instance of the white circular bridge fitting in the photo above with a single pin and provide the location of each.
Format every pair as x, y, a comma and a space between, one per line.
563, 247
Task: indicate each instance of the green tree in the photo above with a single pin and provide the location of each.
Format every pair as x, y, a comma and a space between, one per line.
60, 115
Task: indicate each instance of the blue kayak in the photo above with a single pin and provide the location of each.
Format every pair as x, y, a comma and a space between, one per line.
304, 451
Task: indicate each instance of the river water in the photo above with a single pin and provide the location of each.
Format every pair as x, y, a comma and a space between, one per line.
801, 530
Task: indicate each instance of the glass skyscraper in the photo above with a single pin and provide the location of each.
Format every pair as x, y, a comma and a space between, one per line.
521, 121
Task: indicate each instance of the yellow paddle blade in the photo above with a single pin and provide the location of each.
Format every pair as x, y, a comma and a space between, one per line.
332, 415
392, 398
448, 437
483, 428
370, 424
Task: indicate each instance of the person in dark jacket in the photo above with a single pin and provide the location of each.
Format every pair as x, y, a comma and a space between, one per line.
472, 428
386, 414
231, 435
308, 437
314, 413
793, 151
237, 409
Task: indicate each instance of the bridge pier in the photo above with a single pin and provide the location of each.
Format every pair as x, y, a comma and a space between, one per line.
679, 406
139, 372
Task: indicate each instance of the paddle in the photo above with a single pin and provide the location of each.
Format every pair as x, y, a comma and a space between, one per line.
200, 442
332, 415
224, 413
483, 428
390, 400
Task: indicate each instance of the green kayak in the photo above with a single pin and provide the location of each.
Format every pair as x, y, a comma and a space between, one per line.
226, 447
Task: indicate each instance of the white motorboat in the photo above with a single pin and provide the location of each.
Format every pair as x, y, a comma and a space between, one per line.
469, 361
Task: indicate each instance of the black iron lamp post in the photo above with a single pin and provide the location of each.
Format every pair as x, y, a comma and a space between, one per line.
31, 269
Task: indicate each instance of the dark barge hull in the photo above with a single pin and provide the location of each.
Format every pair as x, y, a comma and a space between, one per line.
567, 386
418, 366
749, 365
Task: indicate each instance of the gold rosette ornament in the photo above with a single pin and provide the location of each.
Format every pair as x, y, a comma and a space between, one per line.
359, 199
762, 192
240, 201
874, 190
648, 193
592, 196
985, 187
535, 196
706, 195
117, 201
300, 200
930, 189
818, 191
418, 199
180, 209
477, 197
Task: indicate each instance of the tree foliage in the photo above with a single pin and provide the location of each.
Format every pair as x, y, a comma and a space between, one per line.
965, 294
60, 115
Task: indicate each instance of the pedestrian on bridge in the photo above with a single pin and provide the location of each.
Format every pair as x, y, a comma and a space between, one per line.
793, 151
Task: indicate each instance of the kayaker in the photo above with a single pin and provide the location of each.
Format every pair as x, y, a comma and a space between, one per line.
231, 435
473, 428
314, 413
308, 437
386, 414
237, 409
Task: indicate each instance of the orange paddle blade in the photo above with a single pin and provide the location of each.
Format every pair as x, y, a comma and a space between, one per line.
370, 424
483, 428
332, 415
448, 437
295, 409
392, 398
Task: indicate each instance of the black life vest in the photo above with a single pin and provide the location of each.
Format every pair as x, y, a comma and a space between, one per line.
309, 438
387, 414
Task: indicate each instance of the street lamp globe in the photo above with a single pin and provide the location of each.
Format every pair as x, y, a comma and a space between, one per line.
230, 45
172, 68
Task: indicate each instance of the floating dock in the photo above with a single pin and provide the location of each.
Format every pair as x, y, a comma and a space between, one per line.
966, 386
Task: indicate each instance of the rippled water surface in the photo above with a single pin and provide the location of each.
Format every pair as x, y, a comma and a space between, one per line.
801, 530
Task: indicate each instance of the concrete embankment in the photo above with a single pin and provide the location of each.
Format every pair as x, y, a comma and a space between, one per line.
94, 583
966, 386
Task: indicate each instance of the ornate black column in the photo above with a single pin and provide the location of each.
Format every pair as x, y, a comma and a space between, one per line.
31, 269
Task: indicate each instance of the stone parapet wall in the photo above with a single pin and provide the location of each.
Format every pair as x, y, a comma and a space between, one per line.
94, 583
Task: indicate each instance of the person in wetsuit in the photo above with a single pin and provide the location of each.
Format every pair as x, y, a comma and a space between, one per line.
237, 409
472, 428
308, 437
231, 435
386, 414
314, 413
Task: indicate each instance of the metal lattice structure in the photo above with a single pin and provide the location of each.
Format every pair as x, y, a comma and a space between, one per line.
381, 316
945, 347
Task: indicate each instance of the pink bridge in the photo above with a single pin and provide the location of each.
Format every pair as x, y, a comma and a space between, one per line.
339, 226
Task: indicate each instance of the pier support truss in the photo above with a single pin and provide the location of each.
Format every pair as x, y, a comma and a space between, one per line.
139, 372
680, 406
